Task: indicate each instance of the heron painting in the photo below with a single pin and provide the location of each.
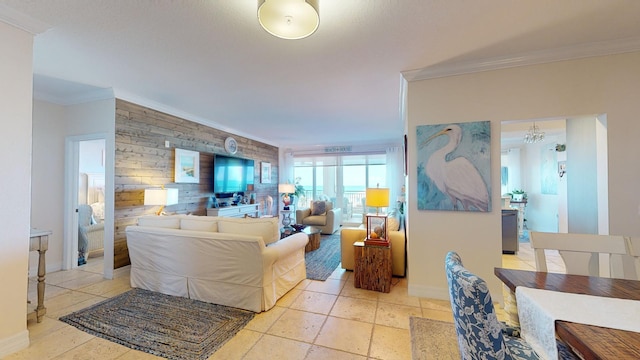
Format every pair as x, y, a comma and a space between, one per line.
454, 166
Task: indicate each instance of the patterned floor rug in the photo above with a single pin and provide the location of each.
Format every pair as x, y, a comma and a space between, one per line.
433, 339
323, 261
163, 325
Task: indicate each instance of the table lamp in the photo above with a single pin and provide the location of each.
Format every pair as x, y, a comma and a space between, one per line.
286, 189
377, 223
160, 196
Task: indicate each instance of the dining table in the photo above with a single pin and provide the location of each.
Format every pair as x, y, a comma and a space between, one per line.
588, 339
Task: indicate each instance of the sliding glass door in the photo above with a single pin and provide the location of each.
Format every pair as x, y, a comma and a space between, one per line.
341, 179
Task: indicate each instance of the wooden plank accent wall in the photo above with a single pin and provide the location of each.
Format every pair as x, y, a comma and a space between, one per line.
142, 161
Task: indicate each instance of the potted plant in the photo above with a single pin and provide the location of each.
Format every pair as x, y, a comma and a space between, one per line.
518, 195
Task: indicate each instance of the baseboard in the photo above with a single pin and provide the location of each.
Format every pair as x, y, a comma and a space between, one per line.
429, 292
14, 343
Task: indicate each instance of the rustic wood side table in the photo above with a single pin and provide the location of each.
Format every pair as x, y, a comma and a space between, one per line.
372, 269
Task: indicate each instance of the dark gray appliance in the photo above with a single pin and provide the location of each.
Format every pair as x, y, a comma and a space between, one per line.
509, 231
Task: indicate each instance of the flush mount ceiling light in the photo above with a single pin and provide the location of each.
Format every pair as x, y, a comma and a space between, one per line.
289, 19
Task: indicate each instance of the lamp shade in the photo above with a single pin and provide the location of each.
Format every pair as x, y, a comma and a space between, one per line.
160, 196
286, 188
377, 197
289, 19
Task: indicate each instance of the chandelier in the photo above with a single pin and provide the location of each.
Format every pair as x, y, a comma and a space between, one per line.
534, 135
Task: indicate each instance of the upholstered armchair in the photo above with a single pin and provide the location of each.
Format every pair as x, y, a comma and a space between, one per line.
322, 215
480, 334
90, 233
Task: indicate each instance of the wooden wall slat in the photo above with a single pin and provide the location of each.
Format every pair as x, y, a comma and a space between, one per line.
142, 161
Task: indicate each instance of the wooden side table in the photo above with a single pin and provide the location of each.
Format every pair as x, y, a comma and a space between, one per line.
372, 269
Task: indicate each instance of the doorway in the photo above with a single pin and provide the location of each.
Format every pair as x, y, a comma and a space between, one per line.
564, 176
85, 198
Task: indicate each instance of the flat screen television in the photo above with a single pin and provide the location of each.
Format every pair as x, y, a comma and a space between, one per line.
231, 175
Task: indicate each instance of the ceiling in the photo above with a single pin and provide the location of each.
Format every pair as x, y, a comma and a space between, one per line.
211, 62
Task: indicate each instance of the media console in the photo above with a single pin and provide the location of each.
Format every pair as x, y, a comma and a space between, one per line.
235, 211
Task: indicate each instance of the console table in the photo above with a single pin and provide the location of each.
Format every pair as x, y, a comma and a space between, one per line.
39, 241
237, 211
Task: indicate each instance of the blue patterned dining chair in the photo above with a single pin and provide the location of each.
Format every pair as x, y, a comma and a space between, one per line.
480, 334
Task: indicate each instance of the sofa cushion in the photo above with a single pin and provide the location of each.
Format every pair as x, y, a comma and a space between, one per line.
267, 228
318, 208
197, 224
169, 222
315, 220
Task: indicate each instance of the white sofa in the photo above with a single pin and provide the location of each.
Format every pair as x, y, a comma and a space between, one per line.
228, 261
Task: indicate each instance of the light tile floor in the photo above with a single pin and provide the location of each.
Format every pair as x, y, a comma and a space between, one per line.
316, 320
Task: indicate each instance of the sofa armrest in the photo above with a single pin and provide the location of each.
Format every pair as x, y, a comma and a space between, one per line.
334, 217
348, 236
286, 246
301, 214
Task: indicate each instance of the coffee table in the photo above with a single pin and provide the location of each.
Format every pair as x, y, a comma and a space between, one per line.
314, 238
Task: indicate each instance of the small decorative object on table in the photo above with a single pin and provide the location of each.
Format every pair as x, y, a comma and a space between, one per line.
298, 227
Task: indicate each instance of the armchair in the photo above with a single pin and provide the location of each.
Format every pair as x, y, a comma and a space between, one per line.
90, 233
328, 220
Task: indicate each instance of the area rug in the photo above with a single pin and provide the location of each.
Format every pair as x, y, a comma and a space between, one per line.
433, 339
168, 326
323, 261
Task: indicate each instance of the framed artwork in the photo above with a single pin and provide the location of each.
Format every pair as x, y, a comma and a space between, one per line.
265, 172
187, 168
454, 166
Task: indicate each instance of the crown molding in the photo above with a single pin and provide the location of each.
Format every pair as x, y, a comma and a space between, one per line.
533, 58
22, 21
81, 98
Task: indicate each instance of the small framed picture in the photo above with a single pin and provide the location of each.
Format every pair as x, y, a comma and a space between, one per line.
265, 172
187, 169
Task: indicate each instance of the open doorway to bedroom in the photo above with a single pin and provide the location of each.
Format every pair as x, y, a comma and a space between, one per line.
91, 198
85, 203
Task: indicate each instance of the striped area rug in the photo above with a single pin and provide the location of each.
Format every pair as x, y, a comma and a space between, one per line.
168, 326
323, 261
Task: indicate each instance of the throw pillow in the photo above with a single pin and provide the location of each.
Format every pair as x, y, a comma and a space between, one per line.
318, 208
199, 224
169, 222
393, 224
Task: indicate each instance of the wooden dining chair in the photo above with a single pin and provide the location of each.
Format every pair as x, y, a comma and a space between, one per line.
581, 252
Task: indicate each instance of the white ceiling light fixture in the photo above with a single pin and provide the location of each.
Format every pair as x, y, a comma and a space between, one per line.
289, 19
534, 135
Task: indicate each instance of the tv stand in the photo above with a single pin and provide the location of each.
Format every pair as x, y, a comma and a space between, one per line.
238, 211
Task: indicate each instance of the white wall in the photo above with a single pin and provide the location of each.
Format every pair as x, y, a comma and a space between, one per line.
47, 183
595, 85
52, 124
15, 161
582, 191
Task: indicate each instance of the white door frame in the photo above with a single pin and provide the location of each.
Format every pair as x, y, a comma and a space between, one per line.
71, 163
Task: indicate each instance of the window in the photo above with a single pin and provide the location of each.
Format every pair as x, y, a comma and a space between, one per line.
341, 179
